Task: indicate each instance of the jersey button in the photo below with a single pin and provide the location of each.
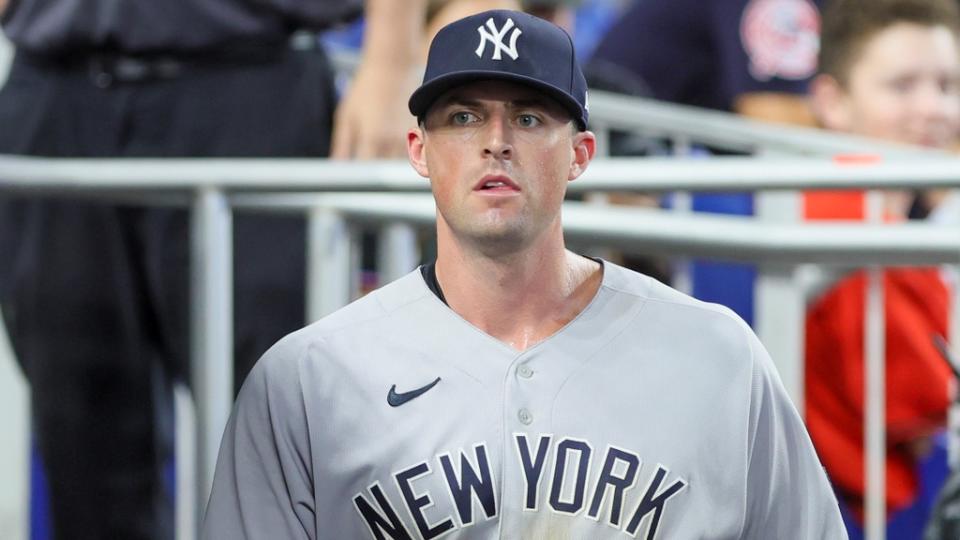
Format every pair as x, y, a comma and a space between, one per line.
525, 417
525, 371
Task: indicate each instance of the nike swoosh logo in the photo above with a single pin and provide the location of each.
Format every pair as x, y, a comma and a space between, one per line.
395, 400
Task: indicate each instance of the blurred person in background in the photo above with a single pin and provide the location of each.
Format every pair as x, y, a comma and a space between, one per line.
371, 121
95, 294
753, 57
888, 69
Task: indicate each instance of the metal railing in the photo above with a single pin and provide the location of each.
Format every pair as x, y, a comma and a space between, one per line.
212, 188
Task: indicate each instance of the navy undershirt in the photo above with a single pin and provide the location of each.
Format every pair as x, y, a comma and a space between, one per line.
429, 272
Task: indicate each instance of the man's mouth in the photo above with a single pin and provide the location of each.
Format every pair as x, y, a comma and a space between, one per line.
496, 183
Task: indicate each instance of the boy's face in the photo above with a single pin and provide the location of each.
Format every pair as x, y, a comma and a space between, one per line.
904, 86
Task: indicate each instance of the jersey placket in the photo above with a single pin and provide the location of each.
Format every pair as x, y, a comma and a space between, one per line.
537, 481
546, 473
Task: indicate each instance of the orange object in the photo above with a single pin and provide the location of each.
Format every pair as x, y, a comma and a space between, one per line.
839, 205
857, 159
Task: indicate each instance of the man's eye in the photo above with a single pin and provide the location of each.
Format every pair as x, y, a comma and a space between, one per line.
463, 118
528, 120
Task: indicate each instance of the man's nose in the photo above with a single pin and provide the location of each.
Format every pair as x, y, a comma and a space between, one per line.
498, 138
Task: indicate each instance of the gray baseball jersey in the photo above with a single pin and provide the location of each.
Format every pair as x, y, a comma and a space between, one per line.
650, 415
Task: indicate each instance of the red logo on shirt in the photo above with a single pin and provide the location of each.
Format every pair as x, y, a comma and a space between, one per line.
781, 37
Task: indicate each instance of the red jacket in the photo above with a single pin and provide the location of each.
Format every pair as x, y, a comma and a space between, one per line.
917, 377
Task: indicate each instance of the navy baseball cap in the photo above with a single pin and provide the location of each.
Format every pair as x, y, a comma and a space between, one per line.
504, 45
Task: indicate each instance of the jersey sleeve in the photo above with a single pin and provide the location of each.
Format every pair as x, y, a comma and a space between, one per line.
788, 495
263, 486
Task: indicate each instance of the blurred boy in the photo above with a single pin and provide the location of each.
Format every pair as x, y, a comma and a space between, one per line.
888, 69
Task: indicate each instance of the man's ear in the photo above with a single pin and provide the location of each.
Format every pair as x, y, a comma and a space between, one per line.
584, 148
417, 152
831, 103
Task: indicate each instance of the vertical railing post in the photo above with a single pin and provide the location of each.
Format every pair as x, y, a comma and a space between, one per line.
185, 439
15, 452
874, 438
397, 251
211, 329
602, 132
329, 263
953, 414
779, 300
780, 321
682, 279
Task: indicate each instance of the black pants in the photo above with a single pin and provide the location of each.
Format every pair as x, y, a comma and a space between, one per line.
96, 294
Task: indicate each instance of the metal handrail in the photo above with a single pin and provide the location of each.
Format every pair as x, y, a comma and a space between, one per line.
204, 184
725, 237
729, 131
75, 176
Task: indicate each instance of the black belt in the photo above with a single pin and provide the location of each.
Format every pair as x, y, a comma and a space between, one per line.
105, 71
107, 68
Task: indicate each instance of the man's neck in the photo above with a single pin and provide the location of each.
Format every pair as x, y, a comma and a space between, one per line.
519, 299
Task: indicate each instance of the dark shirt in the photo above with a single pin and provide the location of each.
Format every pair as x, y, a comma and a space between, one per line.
138, 26
706, 53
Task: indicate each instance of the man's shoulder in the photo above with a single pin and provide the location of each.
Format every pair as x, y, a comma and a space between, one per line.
376, 305
680, 317
363, 315
646, 288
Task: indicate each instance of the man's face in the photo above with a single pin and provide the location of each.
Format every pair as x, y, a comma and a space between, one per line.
499, 156
904, 87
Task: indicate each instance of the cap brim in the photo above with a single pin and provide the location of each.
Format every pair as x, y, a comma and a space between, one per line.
423, 98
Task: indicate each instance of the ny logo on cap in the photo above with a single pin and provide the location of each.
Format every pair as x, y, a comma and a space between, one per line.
495, 37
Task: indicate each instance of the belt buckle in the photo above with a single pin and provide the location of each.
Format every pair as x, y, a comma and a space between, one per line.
105, 71
130, 69
100, 74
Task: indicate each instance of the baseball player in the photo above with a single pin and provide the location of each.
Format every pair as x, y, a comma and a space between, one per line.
514, 389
